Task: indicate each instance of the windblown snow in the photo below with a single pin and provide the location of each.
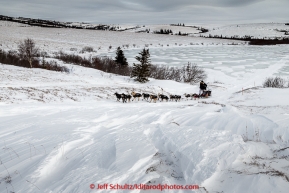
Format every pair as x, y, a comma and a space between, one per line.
63, 132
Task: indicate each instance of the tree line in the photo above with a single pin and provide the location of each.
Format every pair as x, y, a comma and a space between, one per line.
253, 40
163, 31
56, 24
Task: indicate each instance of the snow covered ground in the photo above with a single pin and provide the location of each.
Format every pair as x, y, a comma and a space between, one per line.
62, 132
267, 30
54, 39
230, 59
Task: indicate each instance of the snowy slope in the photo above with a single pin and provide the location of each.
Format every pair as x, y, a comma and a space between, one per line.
175, 29
266, 30
223, 143
53, 39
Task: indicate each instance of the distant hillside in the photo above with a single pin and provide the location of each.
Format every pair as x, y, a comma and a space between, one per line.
57, 24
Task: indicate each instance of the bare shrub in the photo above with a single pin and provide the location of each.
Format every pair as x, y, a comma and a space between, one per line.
73, 49
110, 66
43, 54
54, 66
192, 73
68, 58
87, 49
100, 63
27, 50
166, 73
12, 58
276, 82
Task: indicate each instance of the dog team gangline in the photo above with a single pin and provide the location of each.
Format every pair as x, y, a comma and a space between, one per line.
127, 97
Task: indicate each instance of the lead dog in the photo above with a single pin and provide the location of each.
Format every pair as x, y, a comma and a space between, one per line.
118, 96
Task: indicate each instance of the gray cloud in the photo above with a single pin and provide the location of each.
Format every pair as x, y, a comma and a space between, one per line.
150, 11
158, 5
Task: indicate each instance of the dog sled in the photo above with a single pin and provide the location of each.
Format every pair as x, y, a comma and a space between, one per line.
205, 94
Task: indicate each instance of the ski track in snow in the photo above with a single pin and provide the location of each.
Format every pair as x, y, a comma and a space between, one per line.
62, 132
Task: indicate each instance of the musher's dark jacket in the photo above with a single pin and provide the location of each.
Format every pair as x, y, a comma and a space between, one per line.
203, 86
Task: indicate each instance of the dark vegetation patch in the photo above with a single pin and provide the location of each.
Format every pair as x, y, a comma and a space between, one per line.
252, 40
275, 82
12, 58
163, 31
189, 73
56, 24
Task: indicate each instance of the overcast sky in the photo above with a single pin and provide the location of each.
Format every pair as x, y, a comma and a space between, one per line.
150, 11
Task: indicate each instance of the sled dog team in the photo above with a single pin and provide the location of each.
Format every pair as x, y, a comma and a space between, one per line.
153, 98
145, 96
